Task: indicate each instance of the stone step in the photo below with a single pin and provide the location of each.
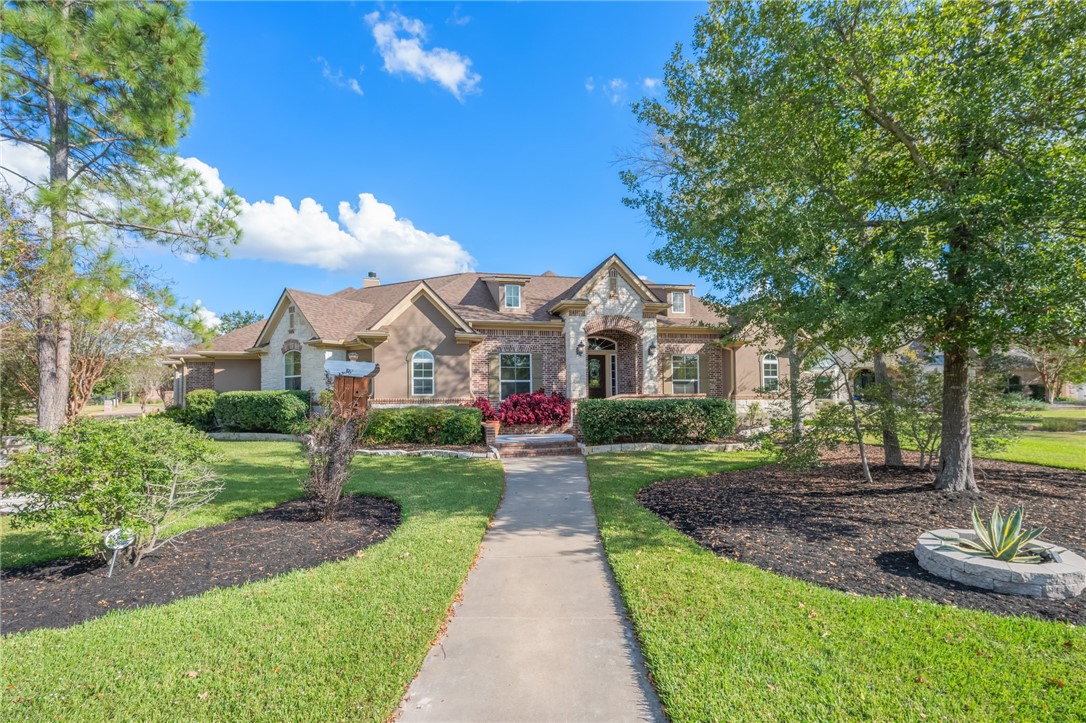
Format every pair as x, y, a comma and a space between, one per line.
536, 450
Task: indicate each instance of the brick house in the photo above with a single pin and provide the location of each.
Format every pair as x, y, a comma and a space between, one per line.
449, 339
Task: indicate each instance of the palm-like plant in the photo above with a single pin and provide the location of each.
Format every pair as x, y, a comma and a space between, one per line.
1000, 538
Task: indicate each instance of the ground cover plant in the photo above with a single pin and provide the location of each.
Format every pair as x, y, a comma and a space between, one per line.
728, 641
338, 641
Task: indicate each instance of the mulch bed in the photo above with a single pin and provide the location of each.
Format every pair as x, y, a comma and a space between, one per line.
287, 537
830, 527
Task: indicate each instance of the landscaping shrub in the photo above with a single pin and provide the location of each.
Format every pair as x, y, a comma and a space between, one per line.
329, 446
535, 408
484, 406
1059, 425
94, 475
424, 425
667, 421
272, 411
198, 412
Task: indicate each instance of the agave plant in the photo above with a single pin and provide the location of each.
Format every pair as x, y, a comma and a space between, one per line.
999, 538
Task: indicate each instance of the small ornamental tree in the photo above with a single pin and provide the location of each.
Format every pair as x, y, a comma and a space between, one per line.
145, 475
329, 446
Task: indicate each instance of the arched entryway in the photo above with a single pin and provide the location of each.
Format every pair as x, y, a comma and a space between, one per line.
613, 364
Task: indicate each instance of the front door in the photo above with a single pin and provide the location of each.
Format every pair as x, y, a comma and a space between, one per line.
597, 376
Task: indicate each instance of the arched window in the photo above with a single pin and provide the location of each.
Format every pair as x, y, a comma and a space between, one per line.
596, 343
422, 374
770, 372
292, 370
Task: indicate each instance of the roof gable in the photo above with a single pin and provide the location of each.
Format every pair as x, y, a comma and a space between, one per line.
423, 290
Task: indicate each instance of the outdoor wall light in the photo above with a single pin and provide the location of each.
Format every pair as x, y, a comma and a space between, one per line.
580, 348
652, 348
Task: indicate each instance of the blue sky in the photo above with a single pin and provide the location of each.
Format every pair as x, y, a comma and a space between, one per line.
498, 126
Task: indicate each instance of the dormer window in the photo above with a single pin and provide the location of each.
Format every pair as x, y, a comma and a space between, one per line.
512, 296
678, 302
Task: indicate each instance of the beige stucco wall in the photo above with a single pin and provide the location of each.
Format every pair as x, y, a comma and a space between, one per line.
232, 375
748, 371
422, 326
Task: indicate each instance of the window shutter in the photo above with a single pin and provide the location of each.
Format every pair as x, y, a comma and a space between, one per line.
537, 371
494, 380
665, 363
703, 373
501, 298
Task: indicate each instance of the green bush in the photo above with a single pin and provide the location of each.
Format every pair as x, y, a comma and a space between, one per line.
1059, 425
668, 421
272, 411
95, 475
424, 425
199, 410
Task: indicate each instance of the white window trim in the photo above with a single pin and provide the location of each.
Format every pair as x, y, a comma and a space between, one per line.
519, 291
433, 372
297, 376
697, 373
680, 297
531, 382
776, 377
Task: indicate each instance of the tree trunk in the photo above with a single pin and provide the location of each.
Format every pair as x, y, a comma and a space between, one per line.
891, 445
54, 331
856, 426
956, 450
795, 399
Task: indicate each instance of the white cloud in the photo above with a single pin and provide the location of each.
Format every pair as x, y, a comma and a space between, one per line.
590, 84
400, 43
616, 89
456, 18
370, 236
336, 77
651, 85
208, 317
18, 159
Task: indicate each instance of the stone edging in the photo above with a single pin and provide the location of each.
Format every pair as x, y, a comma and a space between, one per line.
1064, 578
489, 454
657, 447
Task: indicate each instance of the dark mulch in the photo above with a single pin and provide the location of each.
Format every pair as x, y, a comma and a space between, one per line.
288, 537
832, 528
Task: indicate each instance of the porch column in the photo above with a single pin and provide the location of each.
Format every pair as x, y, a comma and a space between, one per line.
650, 365
576, 364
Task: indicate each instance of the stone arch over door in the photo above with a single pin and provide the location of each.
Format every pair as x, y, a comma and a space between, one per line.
627, 335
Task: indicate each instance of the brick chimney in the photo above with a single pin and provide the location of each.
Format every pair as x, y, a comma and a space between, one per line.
371, 280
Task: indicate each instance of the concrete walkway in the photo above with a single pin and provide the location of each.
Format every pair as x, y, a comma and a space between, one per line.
540, 634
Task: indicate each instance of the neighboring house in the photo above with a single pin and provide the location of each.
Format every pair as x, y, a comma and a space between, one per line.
449, 339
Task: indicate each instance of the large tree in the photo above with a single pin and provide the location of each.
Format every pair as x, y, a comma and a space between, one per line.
102, 90
917, 169
233, 320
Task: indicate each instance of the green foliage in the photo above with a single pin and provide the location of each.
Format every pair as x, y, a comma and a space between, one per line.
830, 427
999, 538
668, 421
199, 410
424, 425
92, 476
1060, 425
233, 320
270, 411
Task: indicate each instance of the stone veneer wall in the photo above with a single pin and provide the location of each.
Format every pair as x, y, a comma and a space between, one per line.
670, 344
511, 341
313, 358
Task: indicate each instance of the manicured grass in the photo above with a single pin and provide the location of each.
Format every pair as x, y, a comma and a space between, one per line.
1052, 449
257, 475
336, 642
727, 641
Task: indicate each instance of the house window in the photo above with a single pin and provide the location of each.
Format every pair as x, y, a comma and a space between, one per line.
422, 374
678, 302
292, 370
684, 373
512, 296
770, 373
516, 374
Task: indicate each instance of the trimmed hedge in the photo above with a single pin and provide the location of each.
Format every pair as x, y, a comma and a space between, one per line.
198, 412
424, 425
272, 411
695, 420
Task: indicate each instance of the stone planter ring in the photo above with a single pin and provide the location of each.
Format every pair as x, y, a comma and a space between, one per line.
1063, 577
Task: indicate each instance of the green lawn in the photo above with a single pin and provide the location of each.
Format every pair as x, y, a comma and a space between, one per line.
727, 641
1052, 449
337, 642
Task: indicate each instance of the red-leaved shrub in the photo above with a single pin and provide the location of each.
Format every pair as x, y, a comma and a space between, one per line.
535, 408
483, 405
